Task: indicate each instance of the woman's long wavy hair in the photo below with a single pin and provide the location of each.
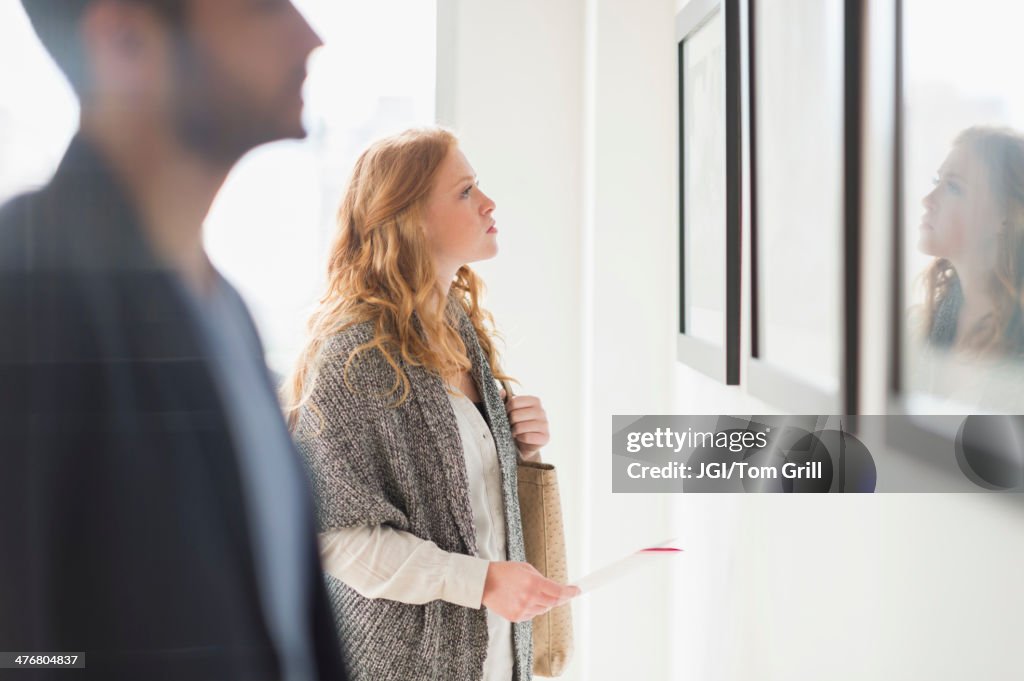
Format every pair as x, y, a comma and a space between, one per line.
1001, 152
380, 271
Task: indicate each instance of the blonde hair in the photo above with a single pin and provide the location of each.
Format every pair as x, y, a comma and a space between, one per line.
1001, 151
380, 271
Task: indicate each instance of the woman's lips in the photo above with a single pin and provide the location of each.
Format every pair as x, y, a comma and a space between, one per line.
492, 230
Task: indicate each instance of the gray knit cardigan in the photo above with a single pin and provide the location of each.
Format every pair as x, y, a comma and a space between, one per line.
403, 466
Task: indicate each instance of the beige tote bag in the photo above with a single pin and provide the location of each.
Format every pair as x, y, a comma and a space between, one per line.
544, 536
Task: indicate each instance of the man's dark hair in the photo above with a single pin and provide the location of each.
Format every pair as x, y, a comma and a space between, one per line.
56, 22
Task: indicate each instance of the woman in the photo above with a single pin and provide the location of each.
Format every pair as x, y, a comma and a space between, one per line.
411, 449
974, 226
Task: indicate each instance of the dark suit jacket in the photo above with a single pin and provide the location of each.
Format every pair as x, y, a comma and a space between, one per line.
123, 531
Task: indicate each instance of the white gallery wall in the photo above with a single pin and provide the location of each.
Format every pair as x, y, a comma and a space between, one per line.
629, 288
567, 108
509, 84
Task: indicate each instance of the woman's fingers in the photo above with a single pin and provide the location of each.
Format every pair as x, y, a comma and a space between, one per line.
520, 414
521, 402
534, 439
559, 593
531, 433
518, 592
533, 426
552, 595
529, 422
568, 593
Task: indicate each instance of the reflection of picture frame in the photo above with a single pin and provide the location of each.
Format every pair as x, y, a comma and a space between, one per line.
790, 386
911, 434
932, 432
710, 185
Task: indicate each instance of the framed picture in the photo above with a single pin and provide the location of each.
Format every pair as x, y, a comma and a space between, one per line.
957, 153
710, 185
804, 175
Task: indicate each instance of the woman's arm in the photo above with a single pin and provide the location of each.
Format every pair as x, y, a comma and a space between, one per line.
382, 562
379, 561
341, 433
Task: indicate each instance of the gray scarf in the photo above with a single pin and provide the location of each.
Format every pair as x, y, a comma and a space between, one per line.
944, 324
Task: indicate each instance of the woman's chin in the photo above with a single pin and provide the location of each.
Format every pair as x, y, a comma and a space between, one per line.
926, 245
490, 251
486, 254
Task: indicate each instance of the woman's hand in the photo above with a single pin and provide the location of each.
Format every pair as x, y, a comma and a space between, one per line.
529, 424
517, 592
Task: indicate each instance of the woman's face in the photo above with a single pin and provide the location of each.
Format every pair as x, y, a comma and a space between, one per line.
961, 219
459, 220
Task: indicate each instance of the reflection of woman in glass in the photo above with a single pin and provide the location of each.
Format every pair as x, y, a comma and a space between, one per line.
974, 226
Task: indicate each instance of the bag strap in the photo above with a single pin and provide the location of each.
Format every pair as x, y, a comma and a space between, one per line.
508, 389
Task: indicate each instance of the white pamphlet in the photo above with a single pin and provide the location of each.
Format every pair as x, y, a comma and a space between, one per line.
624, 566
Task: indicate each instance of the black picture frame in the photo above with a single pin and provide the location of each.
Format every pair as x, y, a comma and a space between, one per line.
719, 361
908, 433
767, 380
930, 441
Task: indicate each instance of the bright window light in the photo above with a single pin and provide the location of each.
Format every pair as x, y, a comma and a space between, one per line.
270, 227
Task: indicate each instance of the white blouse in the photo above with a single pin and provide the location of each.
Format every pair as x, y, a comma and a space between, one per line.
379, 561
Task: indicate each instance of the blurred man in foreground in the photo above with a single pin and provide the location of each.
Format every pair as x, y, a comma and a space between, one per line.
153, 514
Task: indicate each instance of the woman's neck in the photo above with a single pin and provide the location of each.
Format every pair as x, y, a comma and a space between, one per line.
976, 301
445, 276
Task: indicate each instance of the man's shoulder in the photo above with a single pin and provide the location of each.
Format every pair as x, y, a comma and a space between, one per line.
16, 218
19, 269
41, 295
31, 238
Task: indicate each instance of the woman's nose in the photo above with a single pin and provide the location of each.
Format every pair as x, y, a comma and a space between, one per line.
929, 199
488, 205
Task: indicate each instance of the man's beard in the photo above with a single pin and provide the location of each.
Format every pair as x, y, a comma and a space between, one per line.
213, 118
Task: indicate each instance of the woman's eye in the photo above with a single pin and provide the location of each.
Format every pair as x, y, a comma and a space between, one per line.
466, 191
951, 186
